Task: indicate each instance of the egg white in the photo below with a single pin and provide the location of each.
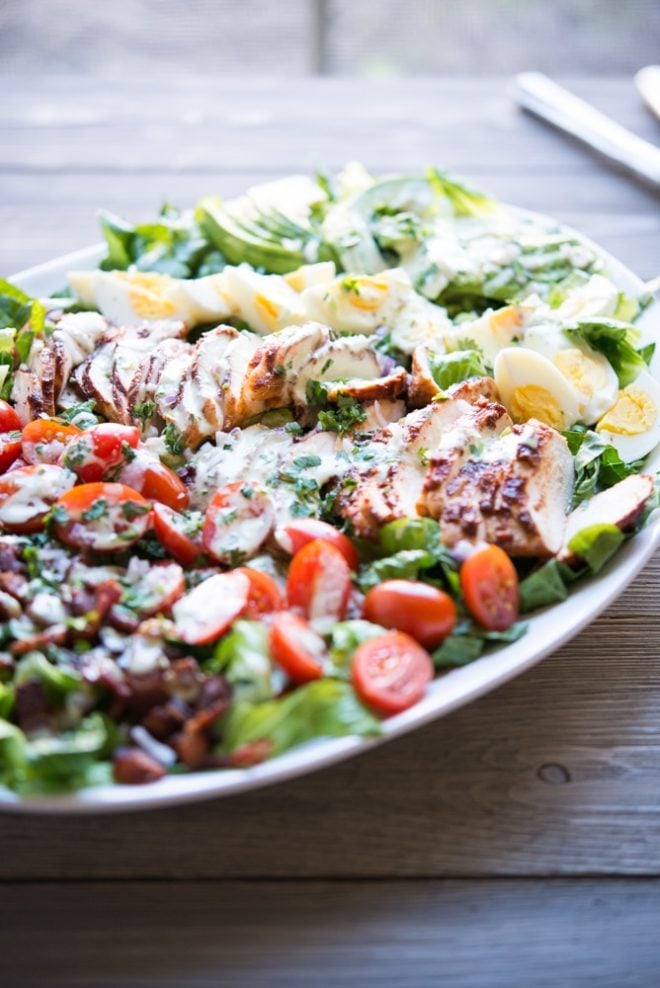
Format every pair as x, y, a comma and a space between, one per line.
530, 386
637, 411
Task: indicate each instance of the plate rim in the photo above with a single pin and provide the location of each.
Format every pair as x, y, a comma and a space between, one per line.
448, 692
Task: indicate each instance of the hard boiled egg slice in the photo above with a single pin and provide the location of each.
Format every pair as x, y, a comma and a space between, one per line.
355, 303
531, 387
420, 322
590, 373
130, 296
264, 301
311, 274
492, 332
632, 424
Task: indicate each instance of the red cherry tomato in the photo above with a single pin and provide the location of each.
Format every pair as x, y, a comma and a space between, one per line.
101, 517
44, 440
157, 589
238, 521
155, 481
27, 494
296, 647
299, 531
99, 451
391, 672
264, 596
319, 581
9, 420
490, 586
206, 612
423, 612
10, 449
180, 534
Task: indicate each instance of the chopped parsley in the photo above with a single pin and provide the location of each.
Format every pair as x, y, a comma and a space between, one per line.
131, 509
144, 410
97, 509
174, 441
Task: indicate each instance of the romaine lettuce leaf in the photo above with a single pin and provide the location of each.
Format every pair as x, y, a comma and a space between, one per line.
596, 544
451, 368
244, 658
597, 464
615, 340
323, 708
542, 587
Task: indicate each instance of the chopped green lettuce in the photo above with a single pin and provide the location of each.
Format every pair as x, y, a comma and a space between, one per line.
323, 708
468, 641
597, 464
596, 544
451, 368
244, 658
542, 587
615, 340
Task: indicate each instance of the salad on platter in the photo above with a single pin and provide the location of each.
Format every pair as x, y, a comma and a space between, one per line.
279, 461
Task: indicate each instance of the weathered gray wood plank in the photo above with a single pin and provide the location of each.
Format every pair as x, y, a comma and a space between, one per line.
507, 934
61, 124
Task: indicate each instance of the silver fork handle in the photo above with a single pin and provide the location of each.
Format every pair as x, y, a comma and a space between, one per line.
545, 98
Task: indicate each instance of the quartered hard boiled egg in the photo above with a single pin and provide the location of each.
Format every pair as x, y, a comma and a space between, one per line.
532, 387
356, 303
264, 301
493, 331
590, 373
311, 274
632, 424
126, 296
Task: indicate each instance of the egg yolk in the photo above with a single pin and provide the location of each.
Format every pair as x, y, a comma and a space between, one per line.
143, 294
269, 310
584, 373
366, 293
295, 280
633, 413
533, 401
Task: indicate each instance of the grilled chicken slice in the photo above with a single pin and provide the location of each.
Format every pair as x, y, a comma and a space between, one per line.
38, 386
276, 363
512, 491
620, 505
422, 387
109, 374
390, 469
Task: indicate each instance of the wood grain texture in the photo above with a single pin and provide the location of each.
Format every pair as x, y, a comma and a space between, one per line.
507, 934
554, 774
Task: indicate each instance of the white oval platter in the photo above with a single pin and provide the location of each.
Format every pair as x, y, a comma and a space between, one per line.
547, 631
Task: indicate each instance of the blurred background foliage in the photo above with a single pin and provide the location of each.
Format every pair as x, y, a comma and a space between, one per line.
335, 37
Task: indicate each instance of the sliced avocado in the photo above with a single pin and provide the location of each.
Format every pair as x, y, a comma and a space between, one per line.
244, 239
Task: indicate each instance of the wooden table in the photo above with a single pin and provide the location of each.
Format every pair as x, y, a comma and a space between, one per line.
516, 842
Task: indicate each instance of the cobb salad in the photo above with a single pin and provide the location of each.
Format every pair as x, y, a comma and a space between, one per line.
280, 460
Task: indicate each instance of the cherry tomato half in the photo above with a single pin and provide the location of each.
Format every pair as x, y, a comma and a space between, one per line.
422, 611
296, 647
319, 581
28, 493
9, 420
391, 672
238, 521
490, 586
207, 611
10, 449
180, 534
44, 440
155, 481
101, 517
99, 451
299, 531
264, 596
